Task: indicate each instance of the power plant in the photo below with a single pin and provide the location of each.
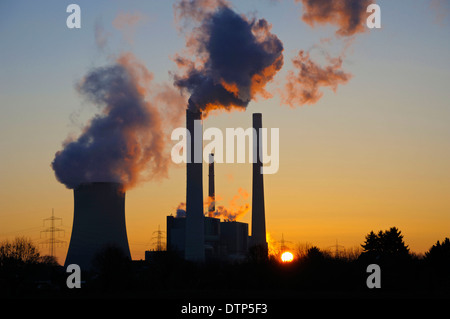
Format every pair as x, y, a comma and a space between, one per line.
99, 212
198, 237
98, 222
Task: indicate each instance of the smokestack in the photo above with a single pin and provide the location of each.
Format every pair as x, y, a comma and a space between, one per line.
211, 193
98, 222
258, 211
195, 237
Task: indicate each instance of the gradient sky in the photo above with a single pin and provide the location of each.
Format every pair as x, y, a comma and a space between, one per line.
372, 155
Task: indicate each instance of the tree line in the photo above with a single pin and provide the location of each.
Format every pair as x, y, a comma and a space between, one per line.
23, 270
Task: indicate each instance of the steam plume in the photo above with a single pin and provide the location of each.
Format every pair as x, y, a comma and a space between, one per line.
231, 214
126, 22
235, 57
181, 211
124, 139
303, 87
234, 211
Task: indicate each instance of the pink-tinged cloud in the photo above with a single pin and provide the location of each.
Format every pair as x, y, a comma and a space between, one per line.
348, 15
304, 85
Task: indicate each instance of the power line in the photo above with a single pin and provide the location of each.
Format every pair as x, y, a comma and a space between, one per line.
20, 231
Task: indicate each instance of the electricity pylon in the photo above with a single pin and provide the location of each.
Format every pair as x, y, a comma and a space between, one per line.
52, 230
336, 247
160, 245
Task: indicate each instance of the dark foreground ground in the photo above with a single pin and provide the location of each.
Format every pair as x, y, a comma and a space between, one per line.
168, 277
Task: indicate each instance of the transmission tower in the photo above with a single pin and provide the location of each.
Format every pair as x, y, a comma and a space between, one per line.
52, 241
336, 247
283, 242
159, 243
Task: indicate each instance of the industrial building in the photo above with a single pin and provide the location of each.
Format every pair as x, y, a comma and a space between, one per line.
224, 240
198, 237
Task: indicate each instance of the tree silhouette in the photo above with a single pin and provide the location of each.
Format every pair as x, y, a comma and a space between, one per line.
438, 262
385, 245
439, 253
20, 251
315, 254
388, 250
19, 261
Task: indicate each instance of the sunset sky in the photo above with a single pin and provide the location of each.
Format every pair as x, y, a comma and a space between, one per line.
371, 155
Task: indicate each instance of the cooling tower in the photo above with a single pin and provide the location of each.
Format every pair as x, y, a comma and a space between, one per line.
258, 227
98, 222
195, 237
211, 188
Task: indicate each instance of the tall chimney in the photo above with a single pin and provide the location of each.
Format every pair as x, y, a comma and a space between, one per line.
98, 222
211, 190
258, 227
195, 237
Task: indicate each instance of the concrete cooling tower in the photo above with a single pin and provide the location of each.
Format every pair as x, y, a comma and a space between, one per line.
98, 222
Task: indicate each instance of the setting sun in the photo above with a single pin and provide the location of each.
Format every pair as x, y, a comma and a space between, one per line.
287, 257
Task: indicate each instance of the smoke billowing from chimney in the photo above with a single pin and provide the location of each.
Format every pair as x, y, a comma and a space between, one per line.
236, 209
181, 211
124, 139
231, 214
304, 86
348, 15
235, 56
